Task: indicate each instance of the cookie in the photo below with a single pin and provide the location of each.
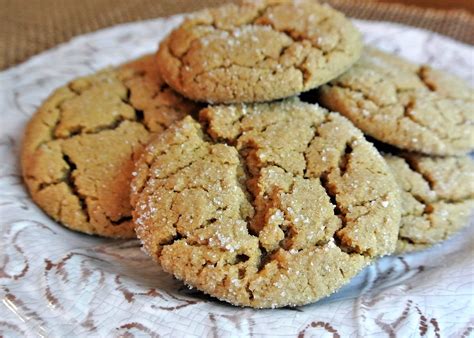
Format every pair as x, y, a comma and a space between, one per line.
412, 107
78, 148
258, 51
265, 205
437, 197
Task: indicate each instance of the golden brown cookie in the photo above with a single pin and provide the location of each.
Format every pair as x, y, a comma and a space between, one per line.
265, 205
408, 106
78, 149
437, 197
258, 51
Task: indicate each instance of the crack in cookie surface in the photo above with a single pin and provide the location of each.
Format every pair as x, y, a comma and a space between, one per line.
79, 147
412, 107
246, 182
258, 51
437, 197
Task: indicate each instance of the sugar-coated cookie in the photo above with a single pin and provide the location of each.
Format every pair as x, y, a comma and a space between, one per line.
411, 107
78, 148
258, 51
265, 205
437, 197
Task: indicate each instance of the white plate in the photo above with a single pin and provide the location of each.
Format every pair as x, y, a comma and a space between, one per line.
54, 282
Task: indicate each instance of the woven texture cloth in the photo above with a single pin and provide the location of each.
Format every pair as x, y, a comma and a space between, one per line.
28, 27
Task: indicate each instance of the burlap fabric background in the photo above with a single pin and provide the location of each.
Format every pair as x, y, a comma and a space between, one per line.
29, 27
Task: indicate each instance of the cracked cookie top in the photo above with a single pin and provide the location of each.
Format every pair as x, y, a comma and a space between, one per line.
258, 51
437, 197
412, 107
78, 149
265, 205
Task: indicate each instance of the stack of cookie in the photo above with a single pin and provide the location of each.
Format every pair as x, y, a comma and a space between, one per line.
237, 186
